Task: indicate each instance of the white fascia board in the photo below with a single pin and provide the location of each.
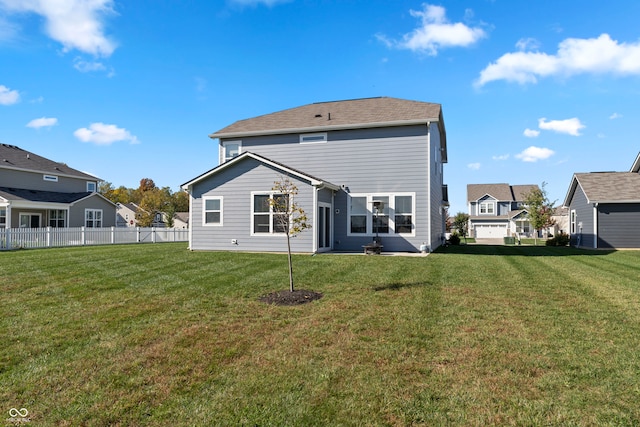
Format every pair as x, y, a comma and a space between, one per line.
321, 128
25, 204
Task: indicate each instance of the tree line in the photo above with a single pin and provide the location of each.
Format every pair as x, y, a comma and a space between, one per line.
149, 198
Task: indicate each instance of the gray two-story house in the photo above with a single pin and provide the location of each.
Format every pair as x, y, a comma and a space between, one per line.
364, 168
604, 209
37, 192
497, 210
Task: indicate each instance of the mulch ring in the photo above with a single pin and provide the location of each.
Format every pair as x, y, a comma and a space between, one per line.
297, 297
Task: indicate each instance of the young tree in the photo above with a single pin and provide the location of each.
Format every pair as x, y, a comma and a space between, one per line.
461, 224
289, 217
540, 209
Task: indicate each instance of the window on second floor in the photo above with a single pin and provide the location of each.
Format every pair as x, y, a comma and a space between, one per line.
313, 138
91, 186
229, 150
487, 208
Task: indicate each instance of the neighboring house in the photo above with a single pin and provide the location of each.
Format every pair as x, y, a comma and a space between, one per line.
497, 210
343, 156
604, 209
181, 220
560, 218
36, 192
127, 216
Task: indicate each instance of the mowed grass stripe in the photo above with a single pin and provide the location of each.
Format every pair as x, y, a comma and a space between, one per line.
157, 335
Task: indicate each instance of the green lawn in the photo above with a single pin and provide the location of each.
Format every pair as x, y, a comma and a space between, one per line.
157, 335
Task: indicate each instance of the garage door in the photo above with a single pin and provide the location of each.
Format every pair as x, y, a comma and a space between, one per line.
490, 231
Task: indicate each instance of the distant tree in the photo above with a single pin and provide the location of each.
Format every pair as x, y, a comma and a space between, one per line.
539, 209
289, 217
169, 212
154, 201
180, 201
461, 224
104, 188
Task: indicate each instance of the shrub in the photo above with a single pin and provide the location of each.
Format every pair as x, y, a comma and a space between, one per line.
454, 239
561, 239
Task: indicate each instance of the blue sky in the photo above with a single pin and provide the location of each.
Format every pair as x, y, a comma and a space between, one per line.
531, 91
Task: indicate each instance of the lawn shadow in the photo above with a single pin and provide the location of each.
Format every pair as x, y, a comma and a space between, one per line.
398, 286
507, 250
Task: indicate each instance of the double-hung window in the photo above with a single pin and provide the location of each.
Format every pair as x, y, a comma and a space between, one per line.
93, 218
57, 218
212, 214
265, 219
230, 149
487, 208
3, 218
387, 214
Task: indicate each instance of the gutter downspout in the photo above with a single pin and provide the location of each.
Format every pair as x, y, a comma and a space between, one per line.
595, 225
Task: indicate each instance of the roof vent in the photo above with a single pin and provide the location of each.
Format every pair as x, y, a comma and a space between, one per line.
28, 156
318, 115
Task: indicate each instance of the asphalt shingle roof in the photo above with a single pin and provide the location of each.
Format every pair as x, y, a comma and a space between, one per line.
41, 196
610, 186
501, 192
366, 112
17, 158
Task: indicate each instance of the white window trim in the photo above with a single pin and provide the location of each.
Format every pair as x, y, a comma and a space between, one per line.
573, 222
223, 157
314, 137
92, 184
270, 194
392, 217
50, 178
93, 210
204, 211
487, 203
64, 219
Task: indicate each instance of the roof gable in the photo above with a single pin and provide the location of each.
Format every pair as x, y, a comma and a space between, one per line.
501, 192
606, 187
247, 154
12, 157
355, 113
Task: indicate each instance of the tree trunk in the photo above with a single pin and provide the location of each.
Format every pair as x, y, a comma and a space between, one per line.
290, 263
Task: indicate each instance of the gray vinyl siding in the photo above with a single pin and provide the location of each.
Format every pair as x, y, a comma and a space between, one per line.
382, 160
584, 215
436, 220
35, 181
77, 215
619, 225
235, 185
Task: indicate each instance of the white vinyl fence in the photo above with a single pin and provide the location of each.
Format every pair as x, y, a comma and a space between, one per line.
50, 237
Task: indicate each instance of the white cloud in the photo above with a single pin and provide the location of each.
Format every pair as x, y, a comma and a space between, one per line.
600, 55
474, 166
568, 126
435, 32
531, 133
8, 96
76, 24
103, 134
42, 122
528, 44
533, 154
85, 67
501, 157
615, 116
